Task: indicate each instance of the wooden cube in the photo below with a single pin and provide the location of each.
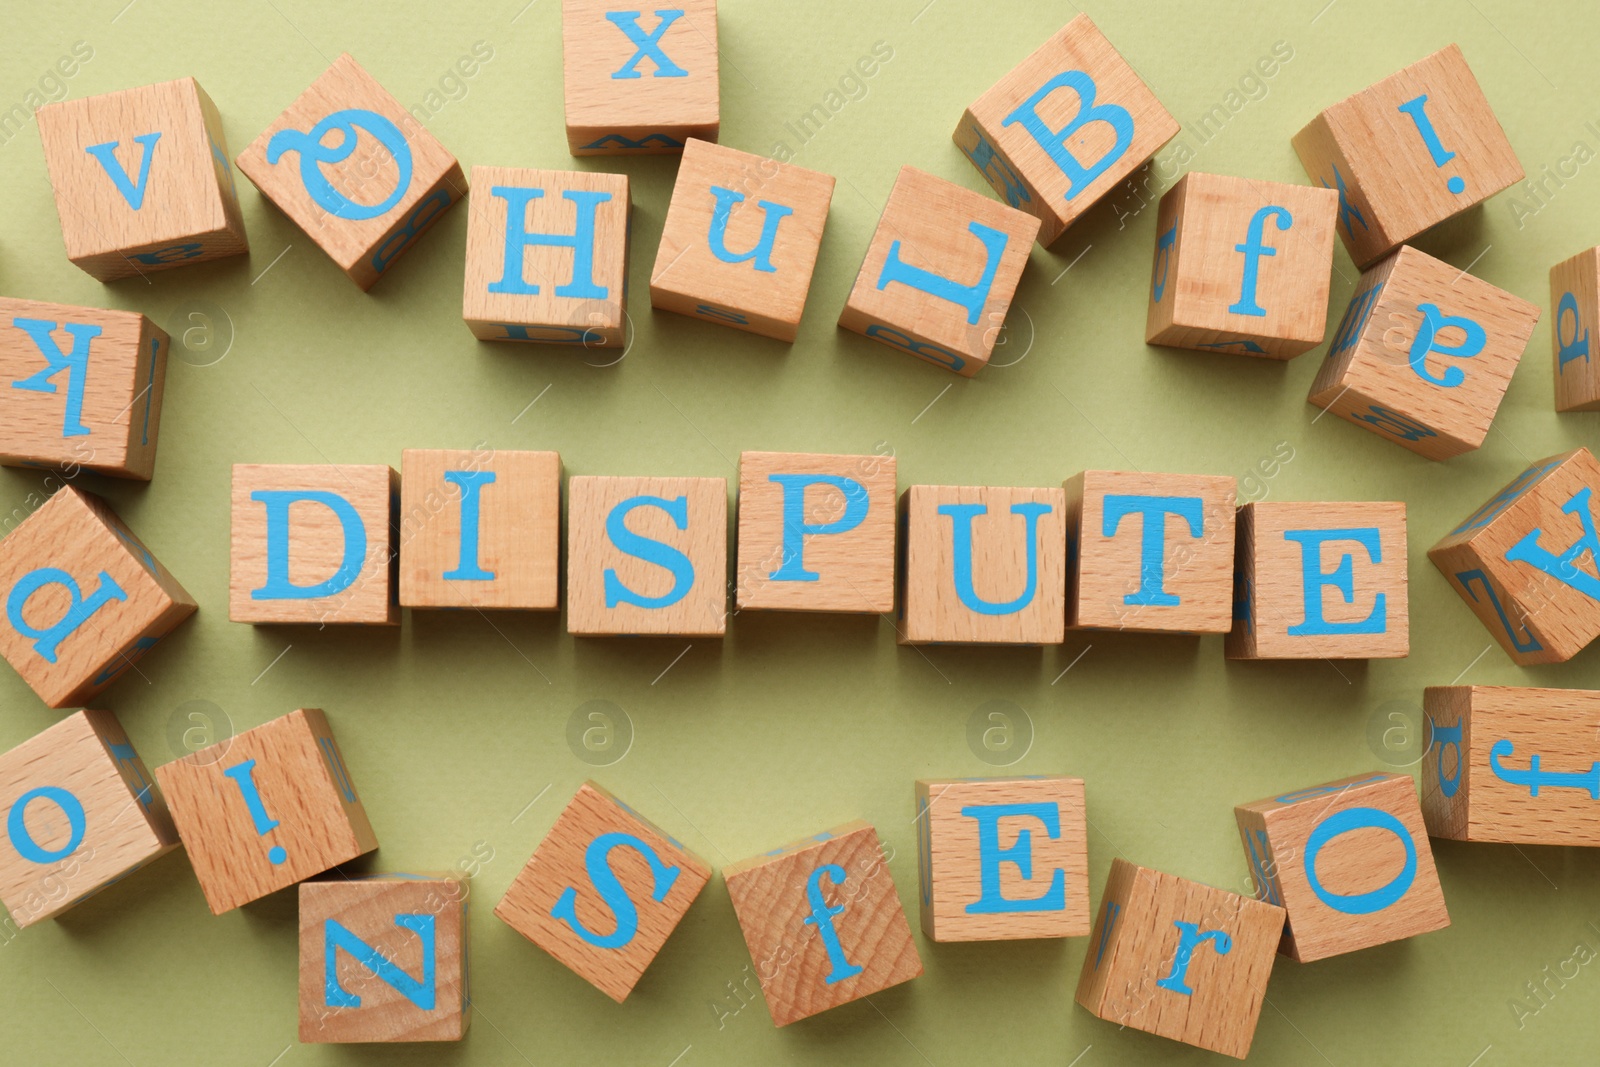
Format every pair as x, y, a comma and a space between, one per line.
1518, 561
1064, 127
547, 257
1408, 152
313, 544
80, 387
1003, 858
1349, 861
266, 808
816, 533
740, 240
84, 599
647, 556
1150, 552
354, 170
603, 891
1424, 354
940, 272
1575, 295
1241, 266
1320, 581
639, 80
142, 180
479, 528
383, 957
1176, 958
81, 812
822, 921
983, 565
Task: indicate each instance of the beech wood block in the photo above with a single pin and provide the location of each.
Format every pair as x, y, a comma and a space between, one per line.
84, 599
1407, 153
1424, 354
603, 891
940, 272
1575, 296
1349, 861
1064, 127
1320, 580
266, 809
822, 921
81, 812
141, 180
354, 170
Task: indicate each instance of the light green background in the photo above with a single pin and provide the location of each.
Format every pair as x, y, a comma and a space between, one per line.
452, 726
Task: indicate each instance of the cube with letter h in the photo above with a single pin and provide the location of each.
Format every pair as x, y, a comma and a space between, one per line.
940, 272
1407, 153
547, 257
1575, 294
1525, 561
1064, 127
354, 170
142, 180
1241, 266
1349, 861
603, 891
1320, 581
1002, 858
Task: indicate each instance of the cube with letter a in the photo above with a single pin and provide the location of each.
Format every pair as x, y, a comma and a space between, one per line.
1064, 127
1349, 861
1575, 296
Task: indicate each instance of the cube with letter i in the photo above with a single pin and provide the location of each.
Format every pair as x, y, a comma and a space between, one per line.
940, 272
816, 533
1320, 581
1002, 858
1349, 861
1575, 296
1179, 959
603, 891
1241, 266
142, 180
822, 921
1424, 354
1407, 153
1066, 126
1524, 561
547, 257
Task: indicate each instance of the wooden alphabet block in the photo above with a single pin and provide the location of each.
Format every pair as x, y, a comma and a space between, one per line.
1241, 266
84, 599
1320, 581
940, 272
383, 957
639, 80
816, 533
1179, 959
1003, 858
647, 556
1575, 295
983, 565
1519, 561
81, 812
603, 891
141, 180
1150, 552
547, 257
1348, 861
80, 387
1424, 354
1064, 127
313, 544
479, 528
740, 240
822, 921
354, 170
1408, 152
266, 808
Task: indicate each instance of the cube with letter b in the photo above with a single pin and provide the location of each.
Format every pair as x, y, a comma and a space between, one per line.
1575, 295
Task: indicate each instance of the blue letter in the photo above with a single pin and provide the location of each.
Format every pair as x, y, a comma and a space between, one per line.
1442, 736
1054, 142
1579, 345
1565, 567
1342, 578
76, 365
1343, 822
1253, 250
278, 586
627, 22
1432, 323
419, 992
795, 527
17, 824
518, 239
596, 862
1533, 777
961, 516
1189, 939
1152, 548
821, 917
469, 482
78, 610
132, 192
1164, 245
313, 153
1417, 109
718, 237
650, 551
971, 297
990, 856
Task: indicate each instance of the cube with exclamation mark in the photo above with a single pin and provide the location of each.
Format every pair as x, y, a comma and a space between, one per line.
266, 809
